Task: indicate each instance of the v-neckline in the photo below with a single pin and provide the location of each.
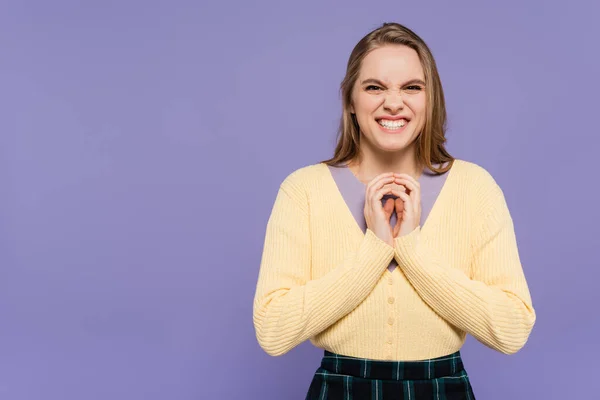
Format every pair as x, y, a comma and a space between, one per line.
432, 212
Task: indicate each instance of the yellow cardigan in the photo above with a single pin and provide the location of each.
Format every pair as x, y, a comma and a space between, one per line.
322, 278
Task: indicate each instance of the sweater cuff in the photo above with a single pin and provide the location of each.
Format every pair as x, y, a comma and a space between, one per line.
378, 246
406, 247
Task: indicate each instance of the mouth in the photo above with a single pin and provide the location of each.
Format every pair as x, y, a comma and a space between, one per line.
394, 126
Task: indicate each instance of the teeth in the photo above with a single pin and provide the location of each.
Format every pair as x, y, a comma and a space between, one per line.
392, 124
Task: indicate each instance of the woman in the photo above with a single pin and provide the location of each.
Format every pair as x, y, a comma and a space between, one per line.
389, 253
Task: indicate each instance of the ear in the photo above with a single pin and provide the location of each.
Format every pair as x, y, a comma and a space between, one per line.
352, 109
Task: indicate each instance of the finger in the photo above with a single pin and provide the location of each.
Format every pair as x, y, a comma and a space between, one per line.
399, 206
415, 189
385, 189
388, 207
377, 183
397, 227
374, 201
397, 186
410, 184
407, 200
409, 177
371, 187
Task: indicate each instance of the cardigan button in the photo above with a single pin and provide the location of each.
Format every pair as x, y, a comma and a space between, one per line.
391, 300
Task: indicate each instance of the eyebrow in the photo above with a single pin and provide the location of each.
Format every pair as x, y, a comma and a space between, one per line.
378, 82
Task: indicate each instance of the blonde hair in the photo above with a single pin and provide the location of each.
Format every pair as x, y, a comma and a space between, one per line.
430, 147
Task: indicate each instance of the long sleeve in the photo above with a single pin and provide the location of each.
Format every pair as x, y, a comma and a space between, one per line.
494, 304
289, 306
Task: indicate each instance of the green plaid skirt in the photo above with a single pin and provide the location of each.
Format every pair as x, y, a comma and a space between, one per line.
350, 378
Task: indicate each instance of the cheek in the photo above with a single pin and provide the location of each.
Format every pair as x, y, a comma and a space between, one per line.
365, 104
419, 106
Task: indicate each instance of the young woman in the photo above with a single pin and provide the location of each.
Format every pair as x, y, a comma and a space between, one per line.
389, 253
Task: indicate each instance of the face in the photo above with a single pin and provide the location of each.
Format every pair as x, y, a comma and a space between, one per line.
389, 99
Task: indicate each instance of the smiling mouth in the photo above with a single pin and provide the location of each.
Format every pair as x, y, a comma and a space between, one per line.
392, 125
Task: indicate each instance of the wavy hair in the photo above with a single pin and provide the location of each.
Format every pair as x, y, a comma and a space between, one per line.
430, 147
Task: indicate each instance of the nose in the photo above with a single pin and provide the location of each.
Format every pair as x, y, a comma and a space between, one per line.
393, 103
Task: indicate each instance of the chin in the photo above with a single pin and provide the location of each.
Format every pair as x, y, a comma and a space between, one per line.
391, 149
389, 144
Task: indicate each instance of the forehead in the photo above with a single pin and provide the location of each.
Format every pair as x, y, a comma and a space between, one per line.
392, 63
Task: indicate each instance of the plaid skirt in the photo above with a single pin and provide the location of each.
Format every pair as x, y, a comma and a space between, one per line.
350, 378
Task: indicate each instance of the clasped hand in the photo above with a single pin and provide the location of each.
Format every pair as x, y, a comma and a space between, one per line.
407, 205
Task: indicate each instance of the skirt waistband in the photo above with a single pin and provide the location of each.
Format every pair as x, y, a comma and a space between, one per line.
433, 368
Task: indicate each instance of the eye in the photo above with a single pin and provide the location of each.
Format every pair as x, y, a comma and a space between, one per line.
372, 87
414, 88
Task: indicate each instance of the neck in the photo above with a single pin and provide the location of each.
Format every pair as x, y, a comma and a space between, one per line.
369, 164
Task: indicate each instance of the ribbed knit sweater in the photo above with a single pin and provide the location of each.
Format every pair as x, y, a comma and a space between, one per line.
322, 278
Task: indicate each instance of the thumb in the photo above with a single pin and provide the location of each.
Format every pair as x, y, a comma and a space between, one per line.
388, 207
399, 206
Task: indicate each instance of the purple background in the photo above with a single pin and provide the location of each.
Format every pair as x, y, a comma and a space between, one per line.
142, 144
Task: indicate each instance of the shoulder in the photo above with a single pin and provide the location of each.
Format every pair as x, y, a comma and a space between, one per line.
483, 190
303, 179
305, 176
474, 175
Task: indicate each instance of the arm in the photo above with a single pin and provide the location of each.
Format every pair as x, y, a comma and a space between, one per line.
289, 306
494, 305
